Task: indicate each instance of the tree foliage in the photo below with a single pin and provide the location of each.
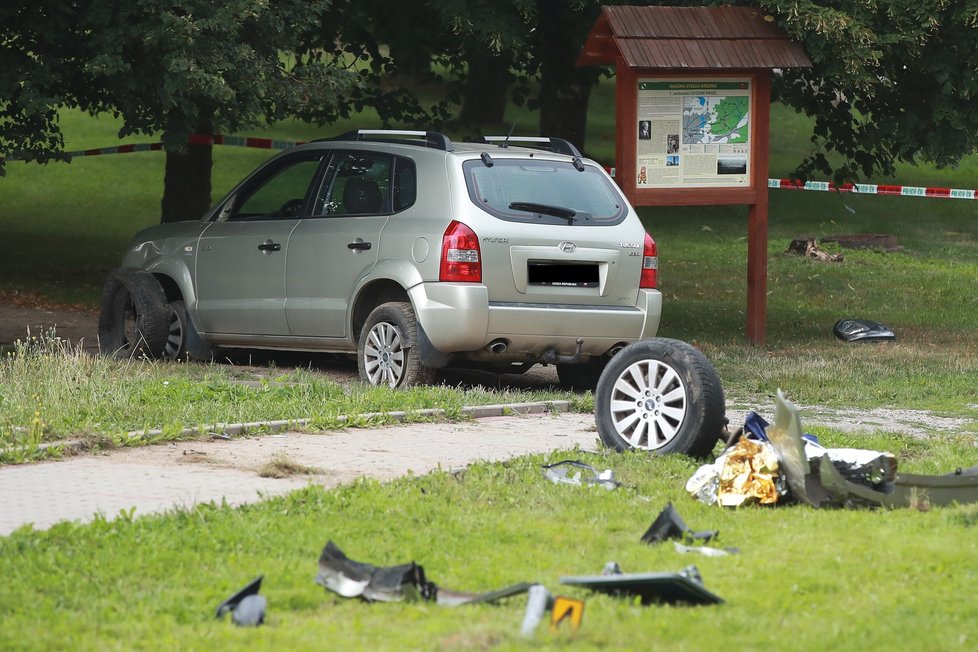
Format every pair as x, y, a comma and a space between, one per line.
172, 67
893, 80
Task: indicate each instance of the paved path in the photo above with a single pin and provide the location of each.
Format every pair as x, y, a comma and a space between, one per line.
157, 478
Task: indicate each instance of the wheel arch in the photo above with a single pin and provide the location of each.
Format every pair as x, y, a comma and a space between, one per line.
370, 296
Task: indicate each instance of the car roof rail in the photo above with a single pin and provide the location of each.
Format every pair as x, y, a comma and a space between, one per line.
432, 139
556, 145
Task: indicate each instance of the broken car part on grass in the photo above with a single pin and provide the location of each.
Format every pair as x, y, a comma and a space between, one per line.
804, 471
246, 606
862, 330
404, 582
684, 587
559, 473
670, 525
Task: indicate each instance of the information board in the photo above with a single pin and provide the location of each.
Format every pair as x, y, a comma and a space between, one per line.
693, 133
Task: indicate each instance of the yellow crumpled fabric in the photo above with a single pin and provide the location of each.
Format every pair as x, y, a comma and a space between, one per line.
748, 475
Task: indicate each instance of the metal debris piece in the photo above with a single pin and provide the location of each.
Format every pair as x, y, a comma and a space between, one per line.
450, 598
827, 485
706, 551
684, 587
538, 602
405, 582
670, 525
558, 473
351, 579
246, 606
785, 435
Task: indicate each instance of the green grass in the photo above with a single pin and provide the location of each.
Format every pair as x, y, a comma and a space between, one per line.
72, 221
51, 391
805, 579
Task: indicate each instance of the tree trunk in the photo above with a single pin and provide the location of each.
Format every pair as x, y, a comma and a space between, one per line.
564, 88
485, 90
187, 184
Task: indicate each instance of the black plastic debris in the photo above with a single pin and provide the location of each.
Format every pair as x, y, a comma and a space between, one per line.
670, 525
862, 330
404, 582
559, 473
246, 606
684, 587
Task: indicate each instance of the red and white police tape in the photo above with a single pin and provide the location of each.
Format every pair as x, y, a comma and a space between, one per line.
865, 188
195, 139
784, 184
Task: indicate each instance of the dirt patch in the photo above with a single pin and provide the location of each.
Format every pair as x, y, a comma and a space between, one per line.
880, 241
22, 317
22, 320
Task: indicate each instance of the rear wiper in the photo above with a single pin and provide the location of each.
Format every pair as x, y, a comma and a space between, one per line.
557, 211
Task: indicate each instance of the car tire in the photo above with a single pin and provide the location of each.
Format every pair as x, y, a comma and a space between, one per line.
581, 376
386, 354
662, 396
183, 340
134, 319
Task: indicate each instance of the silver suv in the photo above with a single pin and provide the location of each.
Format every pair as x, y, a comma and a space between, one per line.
412, 251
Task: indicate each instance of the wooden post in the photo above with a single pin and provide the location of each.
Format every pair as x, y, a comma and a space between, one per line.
757, 213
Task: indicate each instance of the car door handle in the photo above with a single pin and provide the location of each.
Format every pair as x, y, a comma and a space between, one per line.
268, 246
360, 246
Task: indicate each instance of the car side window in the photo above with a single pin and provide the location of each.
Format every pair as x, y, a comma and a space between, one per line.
280, 194
405, 183
359, 184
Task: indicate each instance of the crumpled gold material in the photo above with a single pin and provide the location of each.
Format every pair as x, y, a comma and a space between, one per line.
748, 475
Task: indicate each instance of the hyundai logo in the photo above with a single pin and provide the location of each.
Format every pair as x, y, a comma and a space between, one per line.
567, 247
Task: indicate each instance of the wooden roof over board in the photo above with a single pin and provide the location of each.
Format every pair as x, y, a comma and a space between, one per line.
690, 38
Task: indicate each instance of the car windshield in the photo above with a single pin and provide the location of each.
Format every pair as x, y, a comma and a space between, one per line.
523, 190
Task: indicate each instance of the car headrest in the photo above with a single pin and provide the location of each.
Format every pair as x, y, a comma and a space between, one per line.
362, 195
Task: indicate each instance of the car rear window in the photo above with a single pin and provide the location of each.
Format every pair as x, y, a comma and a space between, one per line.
548, 192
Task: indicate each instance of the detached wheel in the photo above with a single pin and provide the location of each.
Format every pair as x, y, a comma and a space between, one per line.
660, 395
183, 342
134, 320
386, 353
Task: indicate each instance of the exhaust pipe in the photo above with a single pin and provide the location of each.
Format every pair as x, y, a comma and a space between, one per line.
498, 346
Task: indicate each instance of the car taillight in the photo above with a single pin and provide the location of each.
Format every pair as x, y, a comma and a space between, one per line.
461, 259
650, 264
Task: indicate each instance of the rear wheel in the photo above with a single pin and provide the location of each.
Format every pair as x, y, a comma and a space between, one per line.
134, 319
176, 347
183, 341
660, 395
386, 354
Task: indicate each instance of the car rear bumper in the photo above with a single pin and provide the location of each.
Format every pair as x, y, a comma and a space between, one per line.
458, 317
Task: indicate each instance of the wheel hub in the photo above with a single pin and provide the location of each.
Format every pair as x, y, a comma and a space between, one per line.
648, 404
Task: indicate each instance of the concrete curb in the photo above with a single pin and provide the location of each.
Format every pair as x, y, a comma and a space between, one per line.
238, 429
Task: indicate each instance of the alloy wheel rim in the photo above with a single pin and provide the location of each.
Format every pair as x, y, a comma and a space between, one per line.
383, 355
648, 404
174, 338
